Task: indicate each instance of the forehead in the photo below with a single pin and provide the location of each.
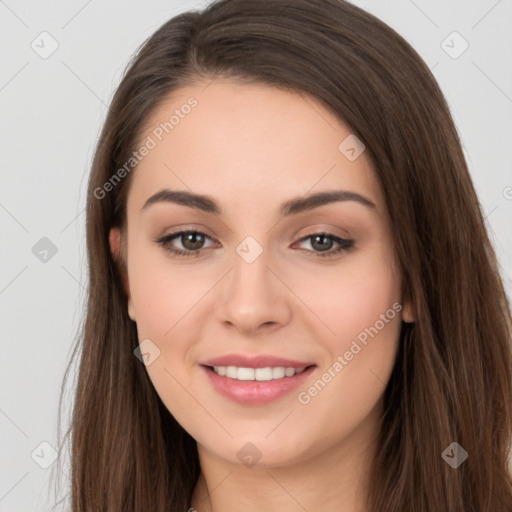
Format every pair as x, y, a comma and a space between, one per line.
263, 142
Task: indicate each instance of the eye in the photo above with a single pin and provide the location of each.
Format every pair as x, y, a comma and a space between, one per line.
318, 240
192, 242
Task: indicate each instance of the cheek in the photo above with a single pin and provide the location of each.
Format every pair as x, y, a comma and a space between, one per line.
164, 295
363, 310
162, 292
351, 296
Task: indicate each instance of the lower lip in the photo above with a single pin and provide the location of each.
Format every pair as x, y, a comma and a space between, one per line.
256, 392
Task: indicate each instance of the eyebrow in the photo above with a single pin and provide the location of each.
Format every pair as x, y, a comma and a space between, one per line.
291, 207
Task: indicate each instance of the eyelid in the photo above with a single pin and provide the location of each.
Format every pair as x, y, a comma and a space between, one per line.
328, 229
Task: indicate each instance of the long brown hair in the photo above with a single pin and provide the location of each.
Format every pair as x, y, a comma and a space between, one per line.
452, 380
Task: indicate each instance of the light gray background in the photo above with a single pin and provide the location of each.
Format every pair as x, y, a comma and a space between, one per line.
52, 111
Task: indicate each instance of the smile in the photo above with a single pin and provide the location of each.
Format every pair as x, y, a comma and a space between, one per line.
268, 373
256, 386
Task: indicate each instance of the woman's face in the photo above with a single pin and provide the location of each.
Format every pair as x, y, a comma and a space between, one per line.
261, 281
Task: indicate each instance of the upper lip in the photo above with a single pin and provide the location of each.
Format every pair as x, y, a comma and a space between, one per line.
261, 361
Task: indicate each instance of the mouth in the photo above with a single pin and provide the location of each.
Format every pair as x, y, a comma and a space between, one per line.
256, 386
259, 374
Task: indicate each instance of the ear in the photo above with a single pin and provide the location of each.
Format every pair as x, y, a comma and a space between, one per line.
408, 315
115, 240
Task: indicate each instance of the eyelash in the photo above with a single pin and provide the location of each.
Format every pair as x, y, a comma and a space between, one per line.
345, 244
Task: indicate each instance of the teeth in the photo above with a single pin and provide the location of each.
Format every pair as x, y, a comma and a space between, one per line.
268, 373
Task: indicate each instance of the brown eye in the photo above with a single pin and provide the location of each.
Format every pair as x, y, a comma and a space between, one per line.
323, 242
191, 241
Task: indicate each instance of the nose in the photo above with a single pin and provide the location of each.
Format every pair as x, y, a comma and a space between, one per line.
253, 297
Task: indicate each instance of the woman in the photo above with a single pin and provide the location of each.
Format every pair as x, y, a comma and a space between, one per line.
293, 302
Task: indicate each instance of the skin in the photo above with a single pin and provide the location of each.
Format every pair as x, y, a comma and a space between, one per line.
252, 147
